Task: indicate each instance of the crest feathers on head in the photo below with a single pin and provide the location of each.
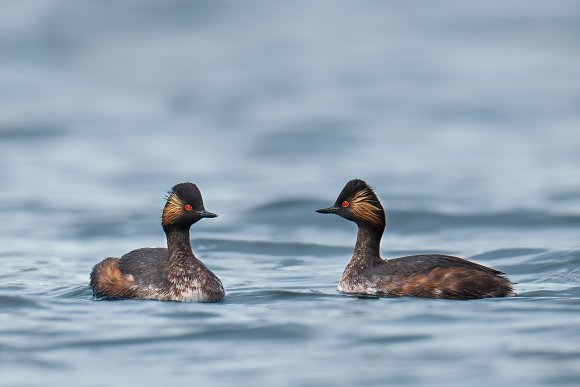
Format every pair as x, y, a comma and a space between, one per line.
363, 202
179, 196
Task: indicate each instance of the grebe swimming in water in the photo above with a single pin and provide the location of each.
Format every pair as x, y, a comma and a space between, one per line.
172, 274
430, 276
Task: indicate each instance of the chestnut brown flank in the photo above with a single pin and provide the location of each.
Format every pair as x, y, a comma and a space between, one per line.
455, 282
108, 280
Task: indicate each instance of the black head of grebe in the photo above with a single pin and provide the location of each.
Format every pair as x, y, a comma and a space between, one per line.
184, 207
358, 202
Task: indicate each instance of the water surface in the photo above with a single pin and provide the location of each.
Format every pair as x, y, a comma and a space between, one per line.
465, 117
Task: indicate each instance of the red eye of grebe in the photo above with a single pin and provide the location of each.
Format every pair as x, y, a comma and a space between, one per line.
188, 207
345, 204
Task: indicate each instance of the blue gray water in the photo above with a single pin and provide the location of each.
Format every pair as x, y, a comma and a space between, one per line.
465, 117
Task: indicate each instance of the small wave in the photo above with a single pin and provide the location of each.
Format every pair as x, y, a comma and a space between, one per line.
235, 332
17, 302
261, 296
572, 292
31, 132
503, 253
294, 212
558, 266
301, 212
18, 358
431, 221
189, 315
268, 248
77, 292
391, 339
547, 354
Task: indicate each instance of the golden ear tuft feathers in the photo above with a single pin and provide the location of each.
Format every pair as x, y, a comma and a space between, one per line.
172, 210
363, 206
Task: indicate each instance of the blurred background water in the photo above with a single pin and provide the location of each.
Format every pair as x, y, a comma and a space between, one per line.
465, 117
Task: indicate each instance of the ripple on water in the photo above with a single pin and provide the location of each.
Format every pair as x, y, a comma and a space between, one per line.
31, 132
228, 332
76, 292
573, 291
504, 253
390, 339
300, 212
17, 302
547, 354
190, 315
416, 221
262, 296
550, 264
268, 248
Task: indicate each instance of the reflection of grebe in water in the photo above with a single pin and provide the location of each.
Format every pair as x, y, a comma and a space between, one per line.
158, 273
431, 276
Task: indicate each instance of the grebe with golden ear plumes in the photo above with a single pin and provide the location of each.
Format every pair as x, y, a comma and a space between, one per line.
168, 274
430, 276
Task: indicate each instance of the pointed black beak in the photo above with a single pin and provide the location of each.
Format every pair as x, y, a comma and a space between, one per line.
206, 214
329, 210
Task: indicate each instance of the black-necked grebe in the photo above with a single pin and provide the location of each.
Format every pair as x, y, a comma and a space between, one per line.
430, 276
172, 274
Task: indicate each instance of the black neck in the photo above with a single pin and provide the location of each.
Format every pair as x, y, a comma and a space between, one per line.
368, 242
178, 243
